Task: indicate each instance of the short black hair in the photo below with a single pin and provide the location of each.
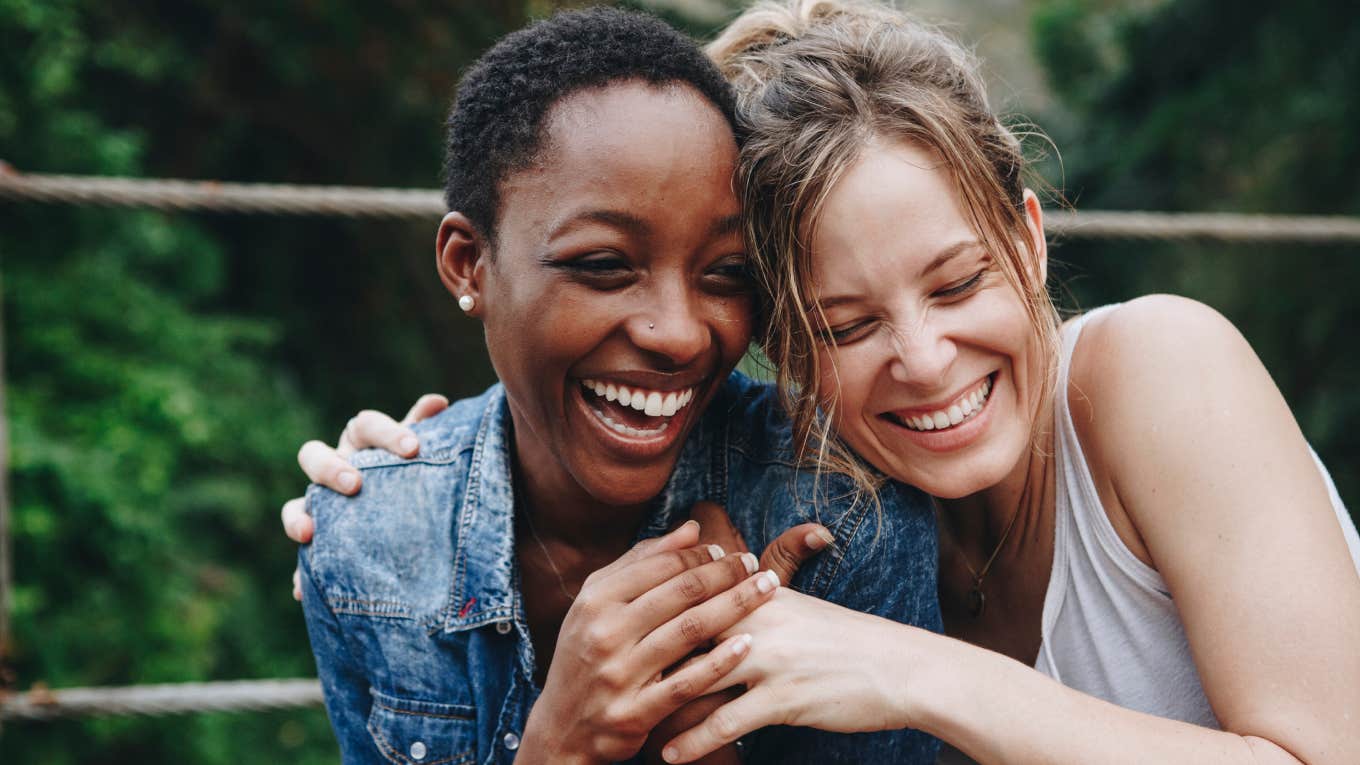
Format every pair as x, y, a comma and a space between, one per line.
496, 123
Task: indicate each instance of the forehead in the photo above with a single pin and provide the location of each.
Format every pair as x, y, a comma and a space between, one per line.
894, 205
654, 150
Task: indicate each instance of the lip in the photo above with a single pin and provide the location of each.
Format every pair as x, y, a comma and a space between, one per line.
647, 380
943, 403
635, 449
954, 438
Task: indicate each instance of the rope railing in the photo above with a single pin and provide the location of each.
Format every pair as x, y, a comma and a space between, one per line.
422, 204
168, 699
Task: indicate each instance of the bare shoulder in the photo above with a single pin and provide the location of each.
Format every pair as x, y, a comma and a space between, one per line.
1155, 351
1159, 383
1156, 333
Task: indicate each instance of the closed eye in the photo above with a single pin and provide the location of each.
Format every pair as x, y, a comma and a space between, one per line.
599, 270
849, 333
963, 287
602, 262
729, 275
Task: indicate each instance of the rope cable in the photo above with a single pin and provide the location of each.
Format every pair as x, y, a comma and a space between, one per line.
172, 698
362, 202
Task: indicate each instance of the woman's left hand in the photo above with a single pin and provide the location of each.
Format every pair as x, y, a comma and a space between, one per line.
815, 664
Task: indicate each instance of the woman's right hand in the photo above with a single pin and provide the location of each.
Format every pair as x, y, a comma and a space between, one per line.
330, 467
606, 688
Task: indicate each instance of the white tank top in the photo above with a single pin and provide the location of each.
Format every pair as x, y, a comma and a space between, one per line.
1110, 627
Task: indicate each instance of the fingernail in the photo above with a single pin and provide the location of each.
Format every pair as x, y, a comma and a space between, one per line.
767, 581
409, 444
670, 754
690, 522
348, 481
749, 561
818, 539
716, 552
742, 645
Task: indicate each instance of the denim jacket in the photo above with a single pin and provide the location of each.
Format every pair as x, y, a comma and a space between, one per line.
411, 588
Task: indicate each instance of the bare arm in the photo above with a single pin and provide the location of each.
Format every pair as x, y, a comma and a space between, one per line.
1216, 478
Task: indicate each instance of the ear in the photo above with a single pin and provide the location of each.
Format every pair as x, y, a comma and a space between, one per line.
1034, 221
460, 255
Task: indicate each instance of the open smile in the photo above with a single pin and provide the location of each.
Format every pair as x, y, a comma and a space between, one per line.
949, 425
640, 421
960, 410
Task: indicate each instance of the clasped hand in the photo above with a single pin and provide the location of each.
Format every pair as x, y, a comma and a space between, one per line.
619, 673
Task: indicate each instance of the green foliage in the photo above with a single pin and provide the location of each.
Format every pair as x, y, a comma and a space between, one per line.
156, 362
1202, 105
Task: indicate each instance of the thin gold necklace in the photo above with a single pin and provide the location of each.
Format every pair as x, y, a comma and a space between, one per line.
977, 601
557, 572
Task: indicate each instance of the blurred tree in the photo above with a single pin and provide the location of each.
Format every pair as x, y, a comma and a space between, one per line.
156, 362
1247, 106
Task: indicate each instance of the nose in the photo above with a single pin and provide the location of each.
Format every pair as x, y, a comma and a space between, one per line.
922, 355
673, 327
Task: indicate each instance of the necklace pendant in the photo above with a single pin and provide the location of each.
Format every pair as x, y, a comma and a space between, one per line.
976, 602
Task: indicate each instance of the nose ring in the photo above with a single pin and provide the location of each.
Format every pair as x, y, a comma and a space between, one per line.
650, 325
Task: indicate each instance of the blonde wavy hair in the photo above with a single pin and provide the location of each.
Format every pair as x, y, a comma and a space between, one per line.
817, 81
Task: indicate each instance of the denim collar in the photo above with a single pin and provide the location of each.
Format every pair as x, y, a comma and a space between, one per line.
484, 559
484, 582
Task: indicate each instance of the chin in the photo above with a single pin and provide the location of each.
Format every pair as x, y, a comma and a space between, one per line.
952, 476
622, 487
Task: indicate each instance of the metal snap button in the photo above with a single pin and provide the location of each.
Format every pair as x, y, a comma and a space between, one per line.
511, 741
504, 627
418, 751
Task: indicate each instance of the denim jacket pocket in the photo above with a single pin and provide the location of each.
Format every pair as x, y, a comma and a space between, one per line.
413, 732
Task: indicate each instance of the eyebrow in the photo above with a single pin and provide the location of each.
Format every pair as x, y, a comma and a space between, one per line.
936, 263
724, 226
948, 254
618, 219
632, 224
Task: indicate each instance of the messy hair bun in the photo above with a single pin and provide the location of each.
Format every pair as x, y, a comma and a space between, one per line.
816, 82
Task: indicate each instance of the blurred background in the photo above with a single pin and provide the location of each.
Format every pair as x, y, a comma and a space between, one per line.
162, 369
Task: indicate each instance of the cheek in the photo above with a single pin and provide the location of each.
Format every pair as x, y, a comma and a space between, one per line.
732, 324
847, 380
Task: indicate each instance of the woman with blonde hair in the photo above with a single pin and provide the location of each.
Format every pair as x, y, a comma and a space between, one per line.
1126, 505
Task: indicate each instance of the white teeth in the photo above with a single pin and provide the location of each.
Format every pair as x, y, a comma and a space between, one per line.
651, 403
619, 427
963, 409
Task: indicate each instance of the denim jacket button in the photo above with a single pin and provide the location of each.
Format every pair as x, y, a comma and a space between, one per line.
511, 740
504, 629
418, 750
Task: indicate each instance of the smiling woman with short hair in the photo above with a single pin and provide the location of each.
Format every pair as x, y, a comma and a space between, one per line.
487, 599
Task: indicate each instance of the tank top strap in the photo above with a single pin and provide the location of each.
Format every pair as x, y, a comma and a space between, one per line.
1087, 549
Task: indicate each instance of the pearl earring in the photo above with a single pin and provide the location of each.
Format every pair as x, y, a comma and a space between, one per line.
466, 303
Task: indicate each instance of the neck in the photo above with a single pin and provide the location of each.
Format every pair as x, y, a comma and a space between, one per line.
560, 509
1020, 502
